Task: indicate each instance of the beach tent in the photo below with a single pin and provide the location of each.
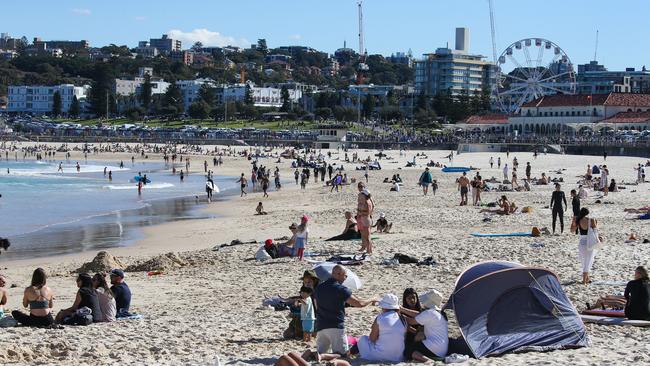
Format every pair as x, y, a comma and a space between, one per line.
506, 307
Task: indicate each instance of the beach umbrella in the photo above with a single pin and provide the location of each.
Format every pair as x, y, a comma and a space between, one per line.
324, 272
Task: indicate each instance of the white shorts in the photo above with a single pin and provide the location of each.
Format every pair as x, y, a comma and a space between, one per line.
333, 338
586, 256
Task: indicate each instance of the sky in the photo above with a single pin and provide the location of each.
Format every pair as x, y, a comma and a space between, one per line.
389, 25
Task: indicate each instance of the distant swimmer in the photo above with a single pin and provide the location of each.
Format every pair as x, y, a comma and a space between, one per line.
182, 175
121, 164
104, 171
110, 175
78, 167
60, 167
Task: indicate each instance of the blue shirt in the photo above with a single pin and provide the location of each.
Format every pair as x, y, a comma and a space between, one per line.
330, 298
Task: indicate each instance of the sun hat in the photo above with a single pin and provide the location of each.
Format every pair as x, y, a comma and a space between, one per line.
382, 215
309, 273
389, 302
432, 299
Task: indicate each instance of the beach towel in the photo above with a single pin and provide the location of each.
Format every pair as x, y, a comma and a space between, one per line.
608, 320
490, 235
607, 312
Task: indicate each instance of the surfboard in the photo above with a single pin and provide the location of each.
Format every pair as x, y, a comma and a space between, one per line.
137, 179
455, 169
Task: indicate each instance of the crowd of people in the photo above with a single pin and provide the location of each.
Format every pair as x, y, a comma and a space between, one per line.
95, 301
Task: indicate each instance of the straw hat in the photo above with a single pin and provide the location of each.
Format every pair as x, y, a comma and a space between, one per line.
389, 302
431, 299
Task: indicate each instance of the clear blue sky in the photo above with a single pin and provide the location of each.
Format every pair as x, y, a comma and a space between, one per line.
390, 25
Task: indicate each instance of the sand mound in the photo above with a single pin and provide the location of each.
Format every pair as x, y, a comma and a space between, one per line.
103, 262
163, 262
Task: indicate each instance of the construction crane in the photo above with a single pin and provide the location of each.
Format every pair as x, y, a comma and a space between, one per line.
363, 67
596, 50
494, 35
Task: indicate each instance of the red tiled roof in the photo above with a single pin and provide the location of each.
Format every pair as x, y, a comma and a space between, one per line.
628, 100
611, 99
628, 117
561, 100
487, 119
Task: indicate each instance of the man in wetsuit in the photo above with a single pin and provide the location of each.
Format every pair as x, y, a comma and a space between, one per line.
557, 199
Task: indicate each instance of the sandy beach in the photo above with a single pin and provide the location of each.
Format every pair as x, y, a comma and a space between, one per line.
207, 304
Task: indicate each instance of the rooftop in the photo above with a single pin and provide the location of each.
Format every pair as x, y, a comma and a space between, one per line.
628, 117
487, 119
611, 99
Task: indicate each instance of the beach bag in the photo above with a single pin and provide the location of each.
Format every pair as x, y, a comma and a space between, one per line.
262, 255
593, 241
527, 209
536, 232
405, 259
82, 316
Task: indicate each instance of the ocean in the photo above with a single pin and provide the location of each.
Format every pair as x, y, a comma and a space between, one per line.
45, 212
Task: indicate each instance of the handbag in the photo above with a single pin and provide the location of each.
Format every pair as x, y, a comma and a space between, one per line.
593, 240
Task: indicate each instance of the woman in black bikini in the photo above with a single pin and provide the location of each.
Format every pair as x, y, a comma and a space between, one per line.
350, 231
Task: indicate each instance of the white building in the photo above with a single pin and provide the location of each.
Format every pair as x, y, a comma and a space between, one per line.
191, 88
272, 97
564, 113
127, 87
39, 99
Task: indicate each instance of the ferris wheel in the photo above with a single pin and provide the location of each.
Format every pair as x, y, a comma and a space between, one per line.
528, 69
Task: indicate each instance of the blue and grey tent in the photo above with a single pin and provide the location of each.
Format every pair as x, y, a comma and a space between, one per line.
506, 307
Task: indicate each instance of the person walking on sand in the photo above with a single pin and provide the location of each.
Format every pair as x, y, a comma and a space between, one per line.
242, 184
604, 180
491, 162
425, 180
528, 168
585, 254
499, 162
505, 172
463, 187
365, 208
557, 199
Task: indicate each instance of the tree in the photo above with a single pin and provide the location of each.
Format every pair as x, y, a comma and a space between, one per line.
248, 96
207, 94
286, 102
146, 92
323, 113
103, 76
261, 46
199, 110
56, 104
173, 99
75, 108
196, 47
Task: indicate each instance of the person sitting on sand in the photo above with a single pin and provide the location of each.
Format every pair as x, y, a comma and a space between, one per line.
382, 225
39, 298
436, 331
582, 192
612, 186
105, 296
543, 180
505, 207
387, 334
294, 330
635, 299
395, 187
121, 292
414, 333
350, 232
260, 209
3, 295
86, 297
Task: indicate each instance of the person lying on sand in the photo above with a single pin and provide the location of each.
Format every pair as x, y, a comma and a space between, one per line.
350, 231
641, 210
260, 209
635, 299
